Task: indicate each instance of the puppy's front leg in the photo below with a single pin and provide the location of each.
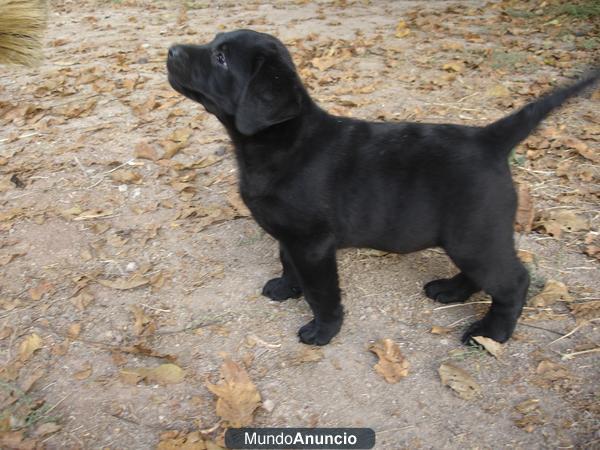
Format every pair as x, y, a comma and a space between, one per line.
286, 286
316, 267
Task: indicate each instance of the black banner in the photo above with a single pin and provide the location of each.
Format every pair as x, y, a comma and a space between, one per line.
300, 438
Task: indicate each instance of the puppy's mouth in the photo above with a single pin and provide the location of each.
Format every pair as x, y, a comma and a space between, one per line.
184, 89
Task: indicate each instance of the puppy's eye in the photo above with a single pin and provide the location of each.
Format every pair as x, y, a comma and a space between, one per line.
220, 57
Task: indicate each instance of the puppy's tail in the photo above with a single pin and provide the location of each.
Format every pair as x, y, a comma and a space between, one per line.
502, 136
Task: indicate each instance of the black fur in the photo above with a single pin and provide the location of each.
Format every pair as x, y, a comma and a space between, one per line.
318, 182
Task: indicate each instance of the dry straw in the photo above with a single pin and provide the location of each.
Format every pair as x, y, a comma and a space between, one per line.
22, 25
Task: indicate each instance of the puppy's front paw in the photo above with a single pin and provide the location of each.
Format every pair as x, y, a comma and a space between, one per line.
498, 329
319, 333
279, 289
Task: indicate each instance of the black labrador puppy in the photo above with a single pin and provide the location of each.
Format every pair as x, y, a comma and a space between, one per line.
318, 182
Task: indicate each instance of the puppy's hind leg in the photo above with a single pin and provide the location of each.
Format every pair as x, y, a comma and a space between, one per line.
448, 290
286, 286
501, 274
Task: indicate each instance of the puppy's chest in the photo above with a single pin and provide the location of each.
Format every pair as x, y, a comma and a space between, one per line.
273, 210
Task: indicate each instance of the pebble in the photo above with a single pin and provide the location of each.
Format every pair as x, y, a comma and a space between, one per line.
268, 405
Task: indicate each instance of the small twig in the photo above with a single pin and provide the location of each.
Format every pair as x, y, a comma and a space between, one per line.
81, 166
453, 324
155, 309
58, 403
540, 328
487, 302
583, 352
577, 328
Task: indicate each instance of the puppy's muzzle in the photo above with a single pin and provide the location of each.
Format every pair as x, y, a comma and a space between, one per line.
177, 59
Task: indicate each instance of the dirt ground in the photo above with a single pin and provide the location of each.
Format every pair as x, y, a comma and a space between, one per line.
124, 244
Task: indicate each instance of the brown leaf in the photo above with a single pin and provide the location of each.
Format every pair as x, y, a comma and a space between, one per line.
308, 354
561, 220
553, 291
402, 29
585, 310
178, 440
454, 66
46, 428
126, 176
528, 406
29, 345
236, 202
82, 300
163, 374
437, 329
84, 373
392, 365
238, 397
143, 323
459, 381
141, 349
525, 211
43, 287
493, 348
30, 380
5, 332
526, 256
74, 330
498, 90
551, 371
143, 150
582, 148
132, 282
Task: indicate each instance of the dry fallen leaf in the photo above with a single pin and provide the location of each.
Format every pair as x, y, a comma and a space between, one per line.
163, 374
438, 329
178, 440
561, 220
84, 373
392, 365
308, 354
459, 381
582, 148
74, 330
526, 256
551, 374
402, 29
498, 90
525, 211
528, 406
143, 150
454, 66
126, 176
586, 310
143, 323
46, 428
132, 282
42, 288
236, 202
29, 345
553, 291
237, 395
494, 348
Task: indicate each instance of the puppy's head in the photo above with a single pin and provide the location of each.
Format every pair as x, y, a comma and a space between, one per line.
245, 75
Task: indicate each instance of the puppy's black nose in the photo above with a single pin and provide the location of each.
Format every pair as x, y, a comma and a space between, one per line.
175, 52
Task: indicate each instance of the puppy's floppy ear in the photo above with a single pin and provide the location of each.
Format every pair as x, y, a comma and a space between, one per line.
271, 96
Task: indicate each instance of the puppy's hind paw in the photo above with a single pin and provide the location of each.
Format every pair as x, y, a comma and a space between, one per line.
279, 289
448, 290
499, 330
319, 333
